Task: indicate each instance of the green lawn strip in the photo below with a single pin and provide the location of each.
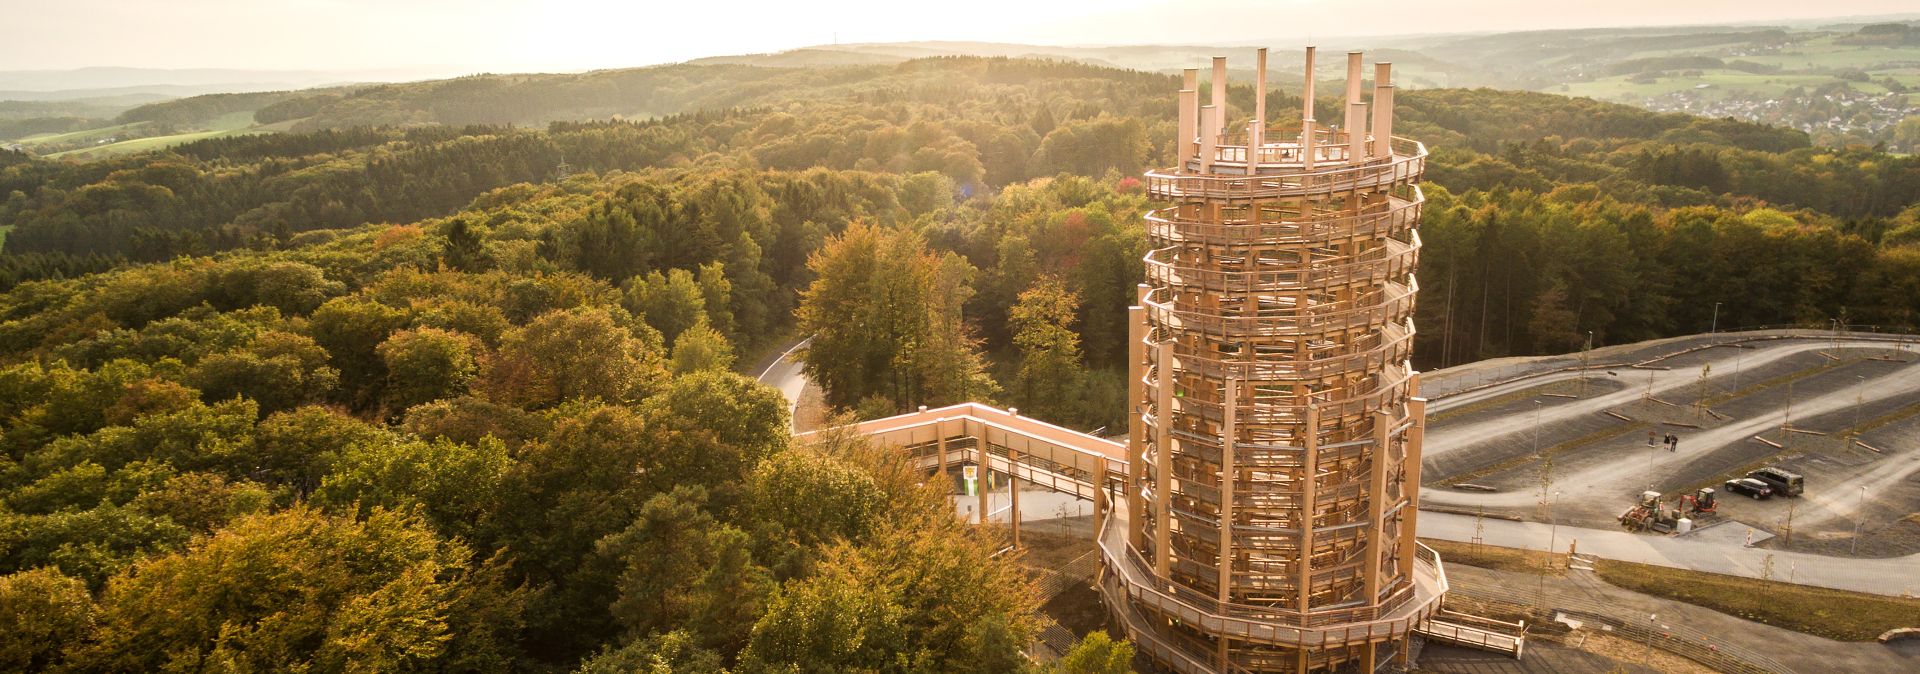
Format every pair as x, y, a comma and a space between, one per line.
83, 134
1498, 558
1822, 612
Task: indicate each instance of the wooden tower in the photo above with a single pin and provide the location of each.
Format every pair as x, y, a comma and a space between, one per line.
1274, 447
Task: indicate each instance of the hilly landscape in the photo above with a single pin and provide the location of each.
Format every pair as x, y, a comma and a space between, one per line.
1841, 83
448, 375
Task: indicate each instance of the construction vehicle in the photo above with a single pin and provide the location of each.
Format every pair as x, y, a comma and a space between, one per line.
1648, 515
1699, 504
1784, 482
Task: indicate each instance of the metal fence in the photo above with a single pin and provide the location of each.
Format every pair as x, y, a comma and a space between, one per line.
1680, 640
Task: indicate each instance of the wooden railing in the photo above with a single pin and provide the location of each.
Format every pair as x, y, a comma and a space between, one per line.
1404, 166
1392, 261
1399, 217
1392, 618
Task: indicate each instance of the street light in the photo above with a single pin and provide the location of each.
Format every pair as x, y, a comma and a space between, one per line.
1859, 395
1715, 327
1859, 514
1585, 355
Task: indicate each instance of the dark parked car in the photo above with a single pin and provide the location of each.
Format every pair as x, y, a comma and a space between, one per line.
1784, 483
1749, 487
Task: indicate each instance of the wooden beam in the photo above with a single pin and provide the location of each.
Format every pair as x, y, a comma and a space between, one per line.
1013, 494
1410, 513
1383, 109
1228, 475
1257, 135
1209, 137
1188, 130
1309, 492
1136, 427
1306, 117
1163, 465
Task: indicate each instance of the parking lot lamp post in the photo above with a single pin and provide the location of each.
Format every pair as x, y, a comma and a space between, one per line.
1859, 396
1859, 514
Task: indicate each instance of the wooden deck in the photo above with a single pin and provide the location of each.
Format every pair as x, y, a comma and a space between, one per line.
1476, 632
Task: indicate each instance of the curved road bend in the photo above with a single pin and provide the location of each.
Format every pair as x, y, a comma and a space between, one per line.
787, 374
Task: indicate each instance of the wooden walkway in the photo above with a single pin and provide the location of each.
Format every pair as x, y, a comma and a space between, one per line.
1470, 631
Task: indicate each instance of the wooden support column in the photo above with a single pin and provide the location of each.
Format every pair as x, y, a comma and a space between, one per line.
1410, 513
1356, 134
1356, 127
1228, 475
1101, 504
1306, 116
1209, 137
1163, 464
981, 485
1377, 504
1309, 492
1257, 136
1383, 109
1013, 494
940, 445
1189, 129
1136, 425
1219, 82
1353, 76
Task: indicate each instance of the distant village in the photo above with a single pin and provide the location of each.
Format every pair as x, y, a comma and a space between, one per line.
1833, 115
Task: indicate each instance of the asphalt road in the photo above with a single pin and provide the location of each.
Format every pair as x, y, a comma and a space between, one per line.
1890, 576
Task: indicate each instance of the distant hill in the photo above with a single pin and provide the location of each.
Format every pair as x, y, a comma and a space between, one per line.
1842, 82
193, 81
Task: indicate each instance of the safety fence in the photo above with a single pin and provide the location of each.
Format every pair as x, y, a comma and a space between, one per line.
1707, 649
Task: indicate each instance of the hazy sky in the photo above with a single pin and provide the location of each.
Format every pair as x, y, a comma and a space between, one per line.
523, 35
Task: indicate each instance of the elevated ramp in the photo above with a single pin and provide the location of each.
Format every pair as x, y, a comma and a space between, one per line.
1034, 451
1470, 631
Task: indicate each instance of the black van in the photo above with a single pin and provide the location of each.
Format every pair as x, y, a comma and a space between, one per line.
1784, 483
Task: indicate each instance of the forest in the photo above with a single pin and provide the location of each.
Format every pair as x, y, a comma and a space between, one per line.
408, 396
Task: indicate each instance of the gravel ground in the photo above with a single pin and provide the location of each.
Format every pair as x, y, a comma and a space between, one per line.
1600, 463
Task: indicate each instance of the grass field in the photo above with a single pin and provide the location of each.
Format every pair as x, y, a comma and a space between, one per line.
1494, 557
1824, 53
45, 139
231, 124
1724, 82
1834, 614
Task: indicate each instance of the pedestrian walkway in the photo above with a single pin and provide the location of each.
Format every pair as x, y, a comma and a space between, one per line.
1898, 576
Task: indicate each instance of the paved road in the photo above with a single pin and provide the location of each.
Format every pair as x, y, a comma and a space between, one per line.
788, 375
1894, 576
